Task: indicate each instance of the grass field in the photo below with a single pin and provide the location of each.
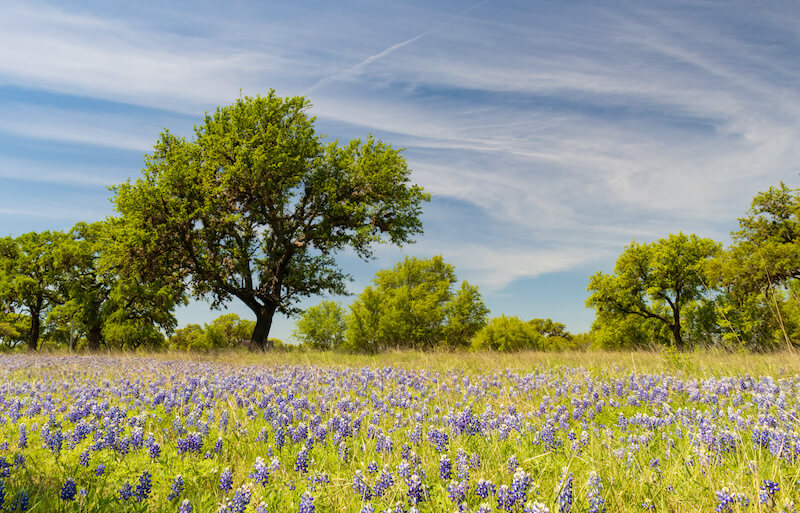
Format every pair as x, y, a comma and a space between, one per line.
328, 432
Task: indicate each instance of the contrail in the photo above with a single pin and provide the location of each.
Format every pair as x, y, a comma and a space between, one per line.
372, 58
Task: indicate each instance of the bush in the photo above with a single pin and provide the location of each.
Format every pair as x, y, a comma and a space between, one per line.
508, 334
226, 331
414, 306
322, 326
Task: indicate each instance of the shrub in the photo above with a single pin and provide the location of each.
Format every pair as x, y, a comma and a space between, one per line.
508, 334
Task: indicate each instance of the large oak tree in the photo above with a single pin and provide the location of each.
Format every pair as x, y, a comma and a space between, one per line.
655, 281
255, 205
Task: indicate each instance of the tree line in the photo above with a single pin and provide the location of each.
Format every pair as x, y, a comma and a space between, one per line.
687, 291
419, 305
255, 206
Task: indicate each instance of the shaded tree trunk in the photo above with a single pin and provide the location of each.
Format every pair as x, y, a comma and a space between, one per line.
33, 335
93, 337
676, 333
260, 338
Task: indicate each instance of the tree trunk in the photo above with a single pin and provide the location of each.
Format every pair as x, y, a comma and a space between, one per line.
260, 338
93, 337
676, 333
33, 335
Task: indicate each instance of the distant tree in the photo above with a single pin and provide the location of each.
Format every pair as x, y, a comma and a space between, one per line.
255, 206
322, 326
758, 272
190, 337
414, 305
549, 328
555, 335
228, 331
508, 334
655, 281
104, 301
31, 272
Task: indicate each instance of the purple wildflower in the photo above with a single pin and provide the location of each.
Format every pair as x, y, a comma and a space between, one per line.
143, 487
177, 488
307, 503
69, 490
767, 491
260, 473
226, 480
445, 467
186, 507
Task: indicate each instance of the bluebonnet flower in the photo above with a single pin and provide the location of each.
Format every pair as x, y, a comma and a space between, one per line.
155, 450
475, 461
565, 493
53, 440
241, 499
384, 482
593, 495
83, 459
2, 492
5, 467
262, 508
360, 486
307, 503
218, 446
22, 443
186, 507
457, 491
177, 488
504, 498
100, 470
513, 463
445, 467
301, 462
725, 500
226, 480
137, 437
143, 487
439, 439
484, 508
417, 491
69, 490
274, 465
191, 443
260, 473
767, 491
22, 499
19, 461
372, 467
520, 486
535, 507
484, 489
367, 508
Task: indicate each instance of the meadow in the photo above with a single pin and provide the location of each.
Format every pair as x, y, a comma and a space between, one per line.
400, 432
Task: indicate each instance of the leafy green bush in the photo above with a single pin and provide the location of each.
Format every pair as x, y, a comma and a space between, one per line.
322, 326
414, 305
508, 334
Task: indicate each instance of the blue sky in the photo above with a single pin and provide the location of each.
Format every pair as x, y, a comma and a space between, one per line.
550, 134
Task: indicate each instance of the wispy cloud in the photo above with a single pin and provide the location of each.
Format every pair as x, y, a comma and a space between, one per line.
357, 68
76, 126
568, 129
54, 173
